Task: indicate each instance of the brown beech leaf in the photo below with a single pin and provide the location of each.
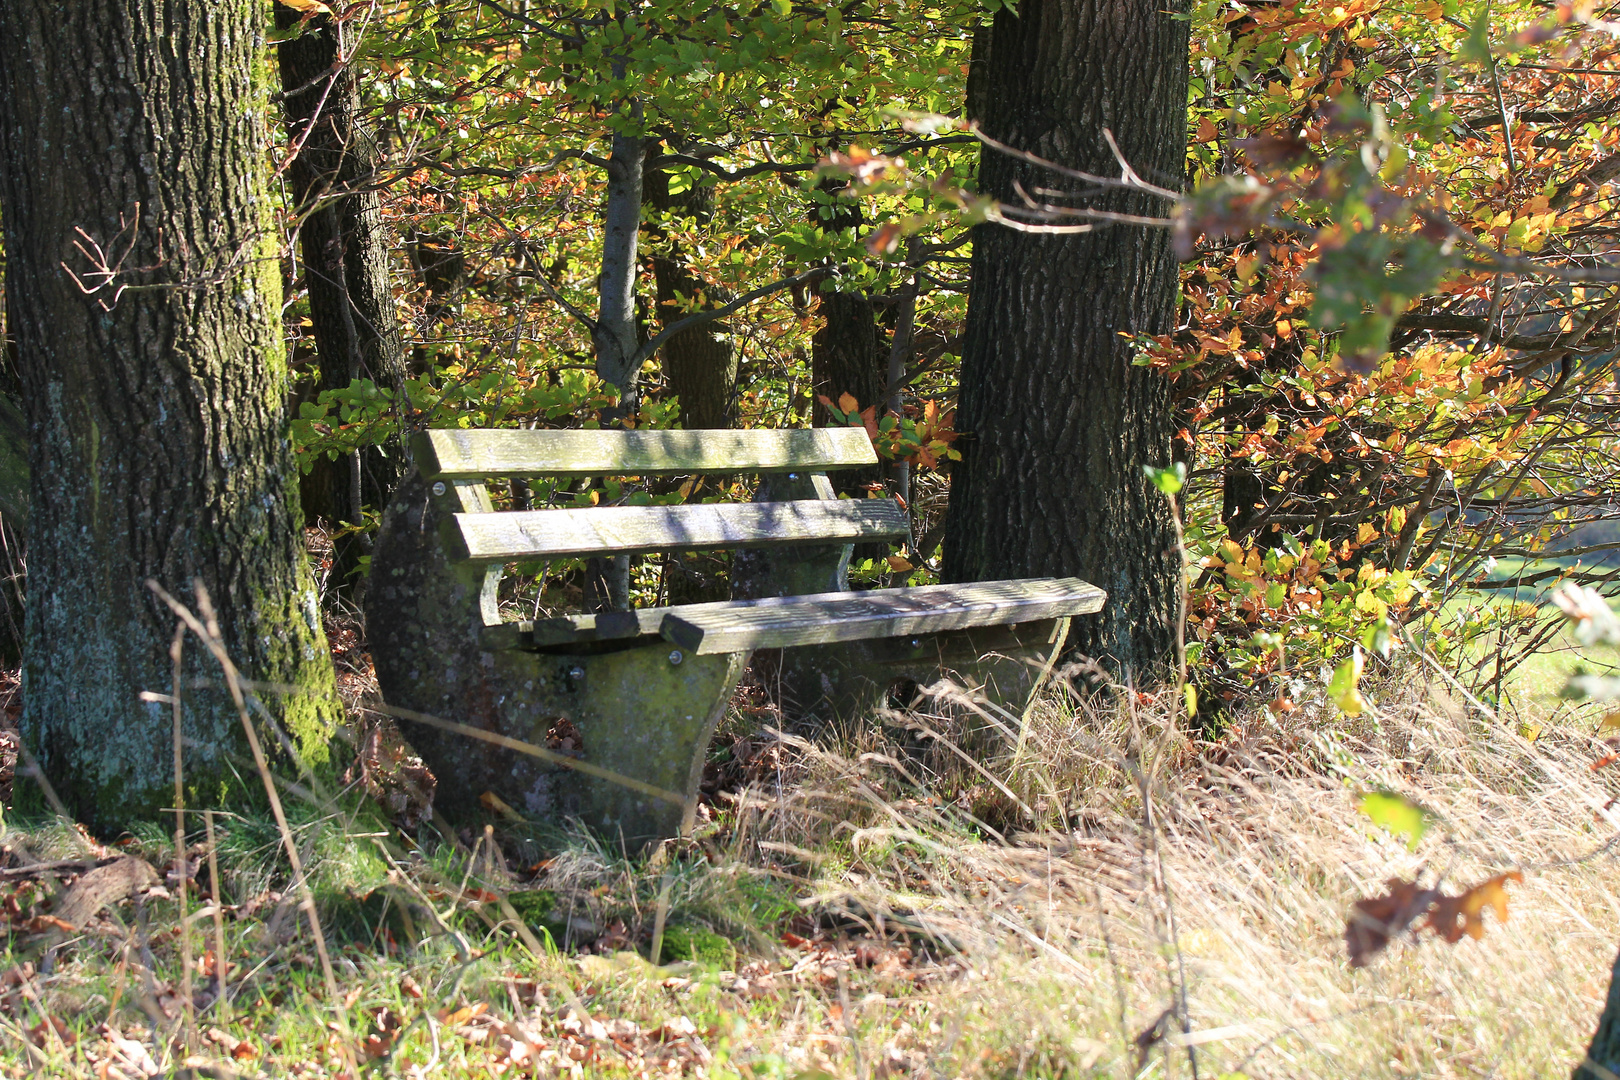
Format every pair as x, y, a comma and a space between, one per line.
1454, 916
1376, 919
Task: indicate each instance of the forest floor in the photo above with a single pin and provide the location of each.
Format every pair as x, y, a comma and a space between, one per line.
917, 898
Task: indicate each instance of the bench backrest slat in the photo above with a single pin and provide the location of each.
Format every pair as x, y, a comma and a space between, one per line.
612, 530
456, 454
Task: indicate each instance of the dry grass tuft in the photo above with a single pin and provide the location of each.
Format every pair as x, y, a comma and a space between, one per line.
948, 891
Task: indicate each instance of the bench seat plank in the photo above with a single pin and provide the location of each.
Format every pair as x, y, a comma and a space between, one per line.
459, 454
824, 618
612, 530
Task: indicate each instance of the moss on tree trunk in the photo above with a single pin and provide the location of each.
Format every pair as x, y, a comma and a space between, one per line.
156, 406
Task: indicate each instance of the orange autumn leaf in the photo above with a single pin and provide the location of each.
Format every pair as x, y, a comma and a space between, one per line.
884, 240
1454, 916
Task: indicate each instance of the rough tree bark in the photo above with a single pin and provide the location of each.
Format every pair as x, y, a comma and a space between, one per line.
1603, 1056
700, 363
848, 353
157, 413
344, 246
1058, 423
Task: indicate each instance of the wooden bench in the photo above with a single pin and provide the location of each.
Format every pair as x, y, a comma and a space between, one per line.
632, 698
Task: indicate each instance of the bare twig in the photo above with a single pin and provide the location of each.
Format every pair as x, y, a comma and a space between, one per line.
210, 635
222, 966
187, 1006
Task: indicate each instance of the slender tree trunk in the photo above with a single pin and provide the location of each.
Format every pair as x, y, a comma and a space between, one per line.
1058, 423
1605, 1049
156, 414
848, 354
700, 363
345, 247
616, 335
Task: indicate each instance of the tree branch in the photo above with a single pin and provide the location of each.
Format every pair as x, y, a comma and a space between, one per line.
780, 167
700, 318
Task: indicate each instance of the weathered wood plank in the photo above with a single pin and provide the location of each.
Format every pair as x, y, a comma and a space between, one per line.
604, 626
455, 453
611, 530
823, 618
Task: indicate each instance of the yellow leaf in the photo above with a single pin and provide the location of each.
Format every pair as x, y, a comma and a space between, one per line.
308, 6
1343, 689
1365, 532
1610, 722
848, 404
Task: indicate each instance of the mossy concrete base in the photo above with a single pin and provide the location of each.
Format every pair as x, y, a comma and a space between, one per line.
641, 711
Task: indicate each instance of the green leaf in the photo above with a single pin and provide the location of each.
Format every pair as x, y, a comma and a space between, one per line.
1377, 638
1344, 688
1396, 815
1168, 480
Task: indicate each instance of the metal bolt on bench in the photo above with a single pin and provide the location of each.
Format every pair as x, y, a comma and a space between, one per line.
608, 689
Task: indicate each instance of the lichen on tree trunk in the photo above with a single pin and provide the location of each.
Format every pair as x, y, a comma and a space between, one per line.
1057, 422
156, 406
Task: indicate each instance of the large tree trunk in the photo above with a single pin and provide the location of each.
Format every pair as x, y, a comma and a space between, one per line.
157, 415
345, 246
1604, 1052
1057, 422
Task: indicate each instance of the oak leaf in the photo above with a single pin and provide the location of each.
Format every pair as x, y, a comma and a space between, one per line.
1454, 916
